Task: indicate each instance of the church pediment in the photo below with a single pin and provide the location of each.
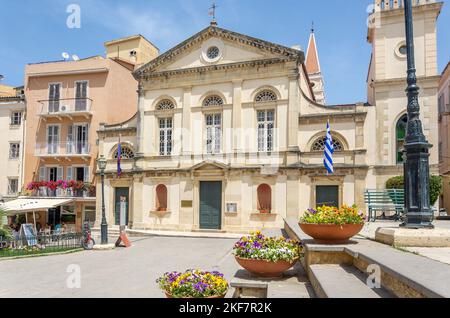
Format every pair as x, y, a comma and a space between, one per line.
216, 46
209, 166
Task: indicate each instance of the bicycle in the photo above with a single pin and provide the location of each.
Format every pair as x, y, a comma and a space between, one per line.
87, 242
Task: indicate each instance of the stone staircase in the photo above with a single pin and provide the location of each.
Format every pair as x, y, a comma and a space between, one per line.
343, 271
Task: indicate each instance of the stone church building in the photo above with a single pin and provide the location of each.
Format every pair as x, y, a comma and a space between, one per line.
229, 133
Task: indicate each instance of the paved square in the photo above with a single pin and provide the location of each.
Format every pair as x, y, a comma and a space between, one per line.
119, 273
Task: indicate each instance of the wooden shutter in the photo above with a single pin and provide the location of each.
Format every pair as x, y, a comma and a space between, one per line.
42, 174
59, 173
69, 174
86, 174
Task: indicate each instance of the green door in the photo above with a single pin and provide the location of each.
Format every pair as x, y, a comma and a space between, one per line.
211, 205
121, 192
327, 195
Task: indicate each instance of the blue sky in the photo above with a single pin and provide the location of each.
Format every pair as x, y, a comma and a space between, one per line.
36, 31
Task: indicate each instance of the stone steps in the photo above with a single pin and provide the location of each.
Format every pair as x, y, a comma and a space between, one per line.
293, 284
340, 281
403, 274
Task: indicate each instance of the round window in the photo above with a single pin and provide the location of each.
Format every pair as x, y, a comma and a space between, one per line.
213, 53
402, 50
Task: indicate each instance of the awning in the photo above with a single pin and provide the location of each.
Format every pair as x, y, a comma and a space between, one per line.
22, 205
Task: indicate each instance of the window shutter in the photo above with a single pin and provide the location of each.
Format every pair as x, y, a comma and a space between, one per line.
42, 174
86, 174
69, 175
70, 140
59, 173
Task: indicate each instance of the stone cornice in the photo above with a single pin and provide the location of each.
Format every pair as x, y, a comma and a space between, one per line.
218, 67
402, 81
212, 31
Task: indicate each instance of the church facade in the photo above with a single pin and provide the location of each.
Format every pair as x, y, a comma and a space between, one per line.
229, 135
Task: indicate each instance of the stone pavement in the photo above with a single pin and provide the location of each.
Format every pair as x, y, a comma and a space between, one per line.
118, 273
439, 254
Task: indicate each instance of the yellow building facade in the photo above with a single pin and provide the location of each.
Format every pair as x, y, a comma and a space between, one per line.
229, 136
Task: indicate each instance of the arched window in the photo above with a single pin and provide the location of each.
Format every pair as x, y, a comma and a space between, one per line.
266, 96
319, 145
161, 198
127, 153
264, 198
400, 134
213, 101
165, 104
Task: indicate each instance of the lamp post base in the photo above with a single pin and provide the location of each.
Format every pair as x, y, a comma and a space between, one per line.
104, 234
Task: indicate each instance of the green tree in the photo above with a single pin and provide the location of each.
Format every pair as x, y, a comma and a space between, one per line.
435, 186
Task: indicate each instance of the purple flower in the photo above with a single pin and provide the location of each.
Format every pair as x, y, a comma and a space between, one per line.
257, 245
312, 211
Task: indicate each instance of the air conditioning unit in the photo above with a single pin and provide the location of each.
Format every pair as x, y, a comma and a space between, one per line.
64, 108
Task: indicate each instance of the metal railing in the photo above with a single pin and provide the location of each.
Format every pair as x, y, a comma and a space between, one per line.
45, 192
66, 106
75, 148
40, 244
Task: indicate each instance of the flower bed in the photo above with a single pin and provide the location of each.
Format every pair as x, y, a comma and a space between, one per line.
266, 256
258, 247
332, 215
330, 225
193, 284
71, 187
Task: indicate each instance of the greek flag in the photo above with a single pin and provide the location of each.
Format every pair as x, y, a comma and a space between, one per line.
329, 151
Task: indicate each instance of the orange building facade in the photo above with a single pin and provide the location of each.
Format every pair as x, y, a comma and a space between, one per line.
66, 103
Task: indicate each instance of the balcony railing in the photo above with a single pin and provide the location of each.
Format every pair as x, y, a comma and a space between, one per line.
66, 107
80, 149
45, 192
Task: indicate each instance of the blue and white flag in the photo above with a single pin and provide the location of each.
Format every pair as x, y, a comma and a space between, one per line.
329, 151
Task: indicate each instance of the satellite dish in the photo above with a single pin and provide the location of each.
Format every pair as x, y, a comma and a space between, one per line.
65, 55
75, 57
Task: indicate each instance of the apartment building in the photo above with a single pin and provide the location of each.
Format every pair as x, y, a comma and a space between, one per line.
67, 102
444, 135
12, 114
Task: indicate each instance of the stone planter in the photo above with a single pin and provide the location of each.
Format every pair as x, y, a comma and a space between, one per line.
266, 269
331, 233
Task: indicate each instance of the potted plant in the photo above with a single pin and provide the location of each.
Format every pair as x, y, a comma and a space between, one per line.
266, 256
193, 284
331, 225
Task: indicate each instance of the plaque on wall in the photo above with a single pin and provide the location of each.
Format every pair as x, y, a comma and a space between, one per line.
186, 204
231, 207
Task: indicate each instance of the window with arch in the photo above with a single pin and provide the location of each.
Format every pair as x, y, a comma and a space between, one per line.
319, 145
266, 95
165, 104
161, 198
400, 134
126, 153
264, 198
213, 101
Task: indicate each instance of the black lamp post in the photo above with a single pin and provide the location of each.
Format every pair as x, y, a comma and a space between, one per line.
419, 214
101, 162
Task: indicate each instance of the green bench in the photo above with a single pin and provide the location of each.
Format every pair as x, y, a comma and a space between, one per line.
385, 201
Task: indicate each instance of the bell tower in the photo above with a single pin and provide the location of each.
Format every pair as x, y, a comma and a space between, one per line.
386, 81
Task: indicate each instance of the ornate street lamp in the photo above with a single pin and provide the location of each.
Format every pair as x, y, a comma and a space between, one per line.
101, 163
419, 214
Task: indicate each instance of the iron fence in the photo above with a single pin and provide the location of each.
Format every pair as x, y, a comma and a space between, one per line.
40, 244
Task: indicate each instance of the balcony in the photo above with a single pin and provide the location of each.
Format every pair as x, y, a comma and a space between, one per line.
66, 108
86, 192
64, 150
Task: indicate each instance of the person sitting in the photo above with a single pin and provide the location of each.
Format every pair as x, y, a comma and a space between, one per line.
58, 228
